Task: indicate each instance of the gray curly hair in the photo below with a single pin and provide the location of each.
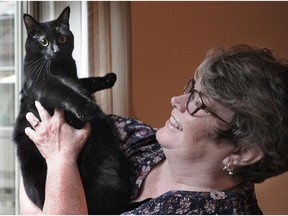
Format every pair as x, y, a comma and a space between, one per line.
253, 83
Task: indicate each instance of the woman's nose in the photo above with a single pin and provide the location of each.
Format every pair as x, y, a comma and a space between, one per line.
179, 102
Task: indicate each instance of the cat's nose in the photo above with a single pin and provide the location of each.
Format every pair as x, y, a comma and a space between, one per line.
55, 49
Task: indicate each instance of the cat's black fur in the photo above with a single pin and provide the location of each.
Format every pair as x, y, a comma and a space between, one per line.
50, 77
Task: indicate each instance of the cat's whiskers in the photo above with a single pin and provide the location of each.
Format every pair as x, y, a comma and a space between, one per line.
48, 68
40, 67
34, 62
36, 68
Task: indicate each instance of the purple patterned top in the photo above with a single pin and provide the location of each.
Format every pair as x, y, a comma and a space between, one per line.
143, 152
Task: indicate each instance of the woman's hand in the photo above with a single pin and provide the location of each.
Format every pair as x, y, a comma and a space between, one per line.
60, 144
54, 137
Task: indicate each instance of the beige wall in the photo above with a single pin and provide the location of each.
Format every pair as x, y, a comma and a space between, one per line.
169, 39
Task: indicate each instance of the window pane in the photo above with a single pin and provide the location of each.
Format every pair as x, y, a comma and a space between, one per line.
7, 73
7, 107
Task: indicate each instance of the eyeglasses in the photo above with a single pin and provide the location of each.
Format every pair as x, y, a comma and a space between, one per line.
195, 96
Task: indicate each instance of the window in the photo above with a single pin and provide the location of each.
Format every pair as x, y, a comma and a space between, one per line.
7, 106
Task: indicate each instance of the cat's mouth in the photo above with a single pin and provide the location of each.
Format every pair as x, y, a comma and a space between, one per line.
55, 57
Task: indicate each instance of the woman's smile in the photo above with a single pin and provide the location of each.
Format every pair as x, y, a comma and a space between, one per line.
175, 124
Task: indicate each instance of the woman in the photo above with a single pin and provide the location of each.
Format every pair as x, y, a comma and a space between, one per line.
227, 131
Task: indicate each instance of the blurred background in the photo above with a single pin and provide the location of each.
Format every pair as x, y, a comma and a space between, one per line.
153, 47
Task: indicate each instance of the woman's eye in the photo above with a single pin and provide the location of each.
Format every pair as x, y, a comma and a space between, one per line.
62, 39
44, 42
198, 103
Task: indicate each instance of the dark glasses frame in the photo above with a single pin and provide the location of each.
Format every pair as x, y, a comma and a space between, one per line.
189, 89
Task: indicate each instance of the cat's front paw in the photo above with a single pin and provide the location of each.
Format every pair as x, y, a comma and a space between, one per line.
110, 79
88, 111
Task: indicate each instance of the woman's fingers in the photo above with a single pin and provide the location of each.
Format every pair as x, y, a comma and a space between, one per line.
85, 131
44, 115
31, 134
53, 136
32, 119
35, 122
59, 114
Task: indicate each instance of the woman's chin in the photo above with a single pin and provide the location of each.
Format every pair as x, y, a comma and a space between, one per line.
167, 135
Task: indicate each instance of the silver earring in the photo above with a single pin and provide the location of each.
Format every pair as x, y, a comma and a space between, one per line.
229, 168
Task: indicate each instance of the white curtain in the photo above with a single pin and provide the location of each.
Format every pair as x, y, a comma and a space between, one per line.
109, 51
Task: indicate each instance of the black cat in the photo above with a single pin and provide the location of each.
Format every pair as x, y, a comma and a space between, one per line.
50, 77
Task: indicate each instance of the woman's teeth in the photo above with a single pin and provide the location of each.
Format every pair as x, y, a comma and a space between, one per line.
175, 124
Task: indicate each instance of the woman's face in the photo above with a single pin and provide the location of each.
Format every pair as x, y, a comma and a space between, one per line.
193, 137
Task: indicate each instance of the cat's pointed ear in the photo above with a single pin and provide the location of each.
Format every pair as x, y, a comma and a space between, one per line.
64, 16
30, 23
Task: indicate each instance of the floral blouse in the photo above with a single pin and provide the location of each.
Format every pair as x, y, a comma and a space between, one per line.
143, 152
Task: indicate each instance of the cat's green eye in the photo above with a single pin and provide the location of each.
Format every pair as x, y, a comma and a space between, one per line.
44, 42
62, 39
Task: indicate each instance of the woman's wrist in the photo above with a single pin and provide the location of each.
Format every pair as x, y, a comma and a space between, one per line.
63, 178
60, 160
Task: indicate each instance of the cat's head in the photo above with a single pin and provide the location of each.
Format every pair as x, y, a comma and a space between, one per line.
52, 40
